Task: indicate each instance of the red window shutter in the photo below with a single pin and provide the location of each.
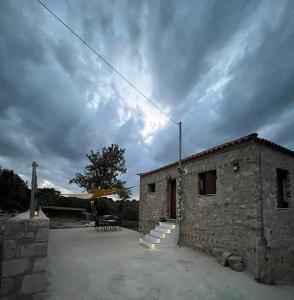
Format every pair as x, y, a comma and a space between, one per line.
210, 182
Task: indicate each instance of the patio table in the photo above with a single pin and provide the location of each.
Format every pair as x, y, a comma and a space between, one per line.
111, 223
107, 222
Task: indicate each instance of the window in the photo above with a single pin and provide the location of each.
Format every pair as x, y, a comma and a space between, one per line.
283, 194
207, 183
151, 187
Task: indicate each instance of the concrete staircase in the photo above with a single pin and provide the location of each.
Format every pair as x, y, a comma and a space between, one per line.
164, 235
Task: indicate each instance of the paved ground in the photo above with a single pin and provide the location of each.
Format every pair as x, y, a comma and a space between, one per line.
85, 265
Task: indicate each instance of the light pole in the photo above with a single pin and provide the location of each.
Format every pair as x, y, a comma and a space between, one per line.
180, 213
33, 190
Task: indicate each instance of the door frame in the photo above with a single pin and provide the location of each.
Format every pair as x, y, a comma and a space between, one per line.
170, 195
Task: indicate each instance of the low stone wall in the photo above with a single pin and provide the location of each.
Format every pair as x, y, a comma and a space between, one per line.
24, 257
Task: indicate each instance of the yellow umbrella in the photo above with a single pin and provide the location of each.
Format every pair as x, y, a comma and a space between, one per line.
104, 192
96, 194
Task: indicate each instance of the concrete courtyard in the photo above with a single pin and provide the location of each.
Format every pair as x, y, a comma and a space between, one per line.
85, 265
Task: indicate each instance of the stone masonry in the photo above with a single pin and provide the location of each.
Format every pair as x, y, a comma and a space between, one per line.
24, 257
242, 216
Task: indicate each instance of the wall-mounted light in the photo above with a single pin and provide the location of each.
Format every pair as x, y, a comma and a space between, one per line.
185, 171
235, 164
36, 213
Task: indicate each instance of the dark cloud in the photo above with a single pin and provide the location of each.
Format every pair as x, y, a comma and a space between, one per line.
224, 68
183, 38
259, 93
262, 87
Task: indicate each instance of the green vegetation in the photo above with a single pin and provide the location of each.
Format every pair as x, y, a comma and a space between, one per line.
52, 197
103, 171
14, 192
124, 209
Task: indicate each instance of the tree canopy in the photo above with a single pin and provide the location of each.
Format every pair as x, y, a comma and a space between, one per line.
103, 171
14, 192
48, 196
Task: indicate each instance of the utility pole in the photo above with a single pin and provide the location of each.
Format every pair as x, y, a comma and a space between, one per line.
180, 213
33, 190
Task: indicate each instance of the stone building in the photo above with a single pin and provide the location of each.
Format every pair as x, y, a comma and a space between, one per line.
238, 197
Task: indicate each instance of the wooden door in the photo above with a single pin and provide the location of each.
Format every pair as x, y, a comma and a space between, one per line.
173, 199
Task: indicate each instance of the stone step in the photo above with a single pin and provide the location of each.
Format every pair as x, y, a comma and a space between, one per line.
167, 225
163, 229
146, 243
174, 221
165, 245
157, 234
152, 239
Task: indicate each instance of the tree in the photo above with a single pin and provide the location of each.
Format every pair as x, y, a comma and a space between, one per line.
14, 192
128, 210
48, 196
103, 171
103, 206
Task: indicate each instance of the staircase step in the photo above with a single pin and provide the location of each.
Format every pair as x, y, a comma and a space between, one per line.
174, 221
152, 239
167, 225
166, 245
164, 235
162, 229
157, 234
146, 243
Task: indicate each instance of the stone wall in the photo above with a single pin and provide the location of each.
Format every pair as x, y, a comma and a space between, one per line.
229, 219
24, 259
277, 258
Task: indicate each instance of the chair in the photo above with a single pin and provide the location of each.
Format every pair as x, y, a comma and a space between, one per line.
111, 222
100, 223
105, 222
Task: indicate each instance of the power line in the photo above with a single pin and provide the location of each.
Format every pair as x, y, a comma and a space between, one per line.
59, 174
53, 171
106, 62
127, 188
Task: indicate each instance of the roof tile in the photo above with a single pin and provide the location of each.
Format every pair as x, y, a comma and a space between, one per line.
242, 140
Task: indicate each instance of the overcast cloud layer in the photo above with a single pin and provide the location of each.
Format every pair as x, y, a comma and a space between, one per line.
224, 68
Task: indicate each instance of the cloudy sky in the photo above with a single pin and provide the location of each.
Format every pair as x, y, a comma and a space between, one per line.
224, 68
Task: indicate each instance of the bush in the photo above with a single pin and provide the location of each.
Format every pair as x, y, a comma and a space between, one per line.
14, 192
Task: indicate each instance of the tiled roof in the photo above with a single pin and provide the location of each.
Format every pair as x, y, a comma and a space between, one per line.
242, 140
